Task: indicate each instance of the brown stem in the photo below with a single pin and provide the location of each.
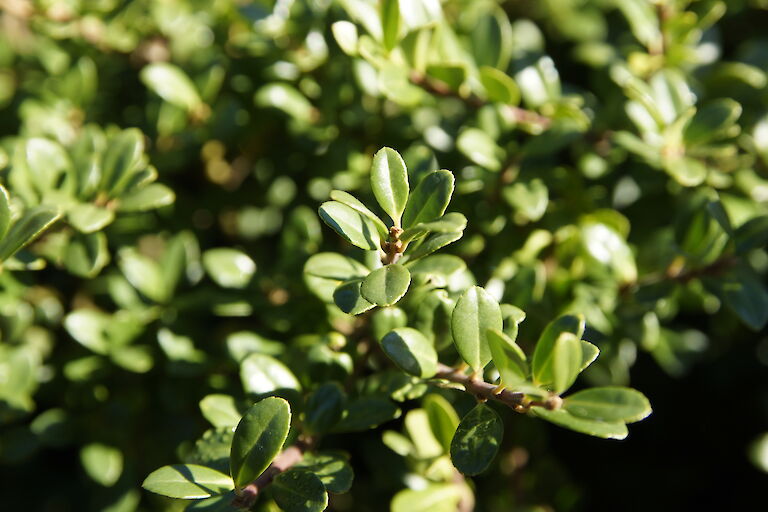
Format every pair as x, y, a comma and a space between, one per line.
246, 497
480, 388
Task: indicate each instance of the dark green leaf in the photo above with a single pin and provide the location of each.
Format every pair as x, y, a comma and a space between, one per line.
430, 198
258, 438
753, 234
352, 225
475, 313
431, 244
332, 469
541, 365
349, 298
386, 285
324, 408
298, 490
365, 413
711, 121
411, 351
26, 229
477, 440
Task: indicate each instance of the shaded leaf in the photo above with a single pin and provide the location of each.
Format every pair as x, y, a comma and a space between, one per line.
386, 285
477, 440
187, 481
411, 351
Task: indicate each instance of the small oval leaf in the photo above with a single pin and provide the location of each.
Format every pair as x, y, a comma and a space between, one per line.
475, 313
430, 198
411, 351
611, 403
386, 285
389, 181
187, 481
477, 440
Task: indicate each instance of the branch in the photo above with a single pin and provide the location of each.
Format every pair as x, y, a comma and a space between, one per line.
487, 391
676, 273
246, 497
515, 114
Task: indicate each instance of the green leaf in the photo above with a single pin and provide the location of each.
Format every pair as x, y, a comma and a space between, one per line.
26, 229
491, 39
386, 285
172, 84
508, 358
425, 444
325, 271
541, 365
366, 412
687, 171
220, 410
589, 353
86, 255
153, 196
298, 490
430, 198
143, 273
433, 498
355, 204
530, 200
711, 121
87, 217
349, 298
389, 181
187, 481
448, 223
411, 351
608, 404
443, 419
284, 97
5, 212
566, 362
607, 247
228, 267
480, 148
390, 23
741, 289
499, 86
121, 159
262, 374
259, 437
352, 225
432, 244
386, 319
332, 469
562, 418
477, 440
345, 34
104, 464
452, 75
475, 313
220, 503
752, 234
324, 408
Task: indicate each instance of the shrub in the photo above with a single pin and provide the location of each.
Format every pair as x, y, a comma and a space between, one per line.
527, 198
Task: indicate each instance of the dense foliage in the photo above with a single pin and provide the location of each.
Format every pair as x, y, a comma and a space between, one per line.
382, 255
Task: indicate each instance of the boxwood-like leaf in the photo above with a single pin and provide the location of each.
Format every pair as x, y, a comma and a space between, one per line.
589, 353
104, 464
299, 490
386, 319
26, 229
611, 403
262, 374
386, 285
443, 419
220, 410
562, 418
352, 225
431, 244
389, 181
542, 355
752, 234
433, 498
475, 313
477, 440
366, 412
430, 198
499, 86
324, 408
332, 468
508, 358
146, 198
349, 298
172, 84
566, 362
390, 22
448, 223
711, 121
87, 217
351, 201
229, 267
325, 271
411, 351
258, 439
187, 481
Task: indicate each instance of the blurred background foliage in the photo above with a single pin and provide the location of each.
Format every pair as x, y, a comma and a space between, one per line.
611, 157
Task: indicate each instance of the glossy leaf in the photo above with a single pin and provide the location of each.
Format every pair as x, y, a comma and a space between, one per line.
352, 202
262, 374
345, 34
443, 419
26, 229
589, 353
477, 440
187, 481
352, 225
298, 490
258, 438
429, 199
608, 404
154, 195
508, 358
475, 313
349, 298
228, 267
324, 408
325, 271
390, 22
541, 364
172, 84
220, 410
386, 285
411, 351
389, 181
566, 362
332, 468
88, 218
562, 418
431, 244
